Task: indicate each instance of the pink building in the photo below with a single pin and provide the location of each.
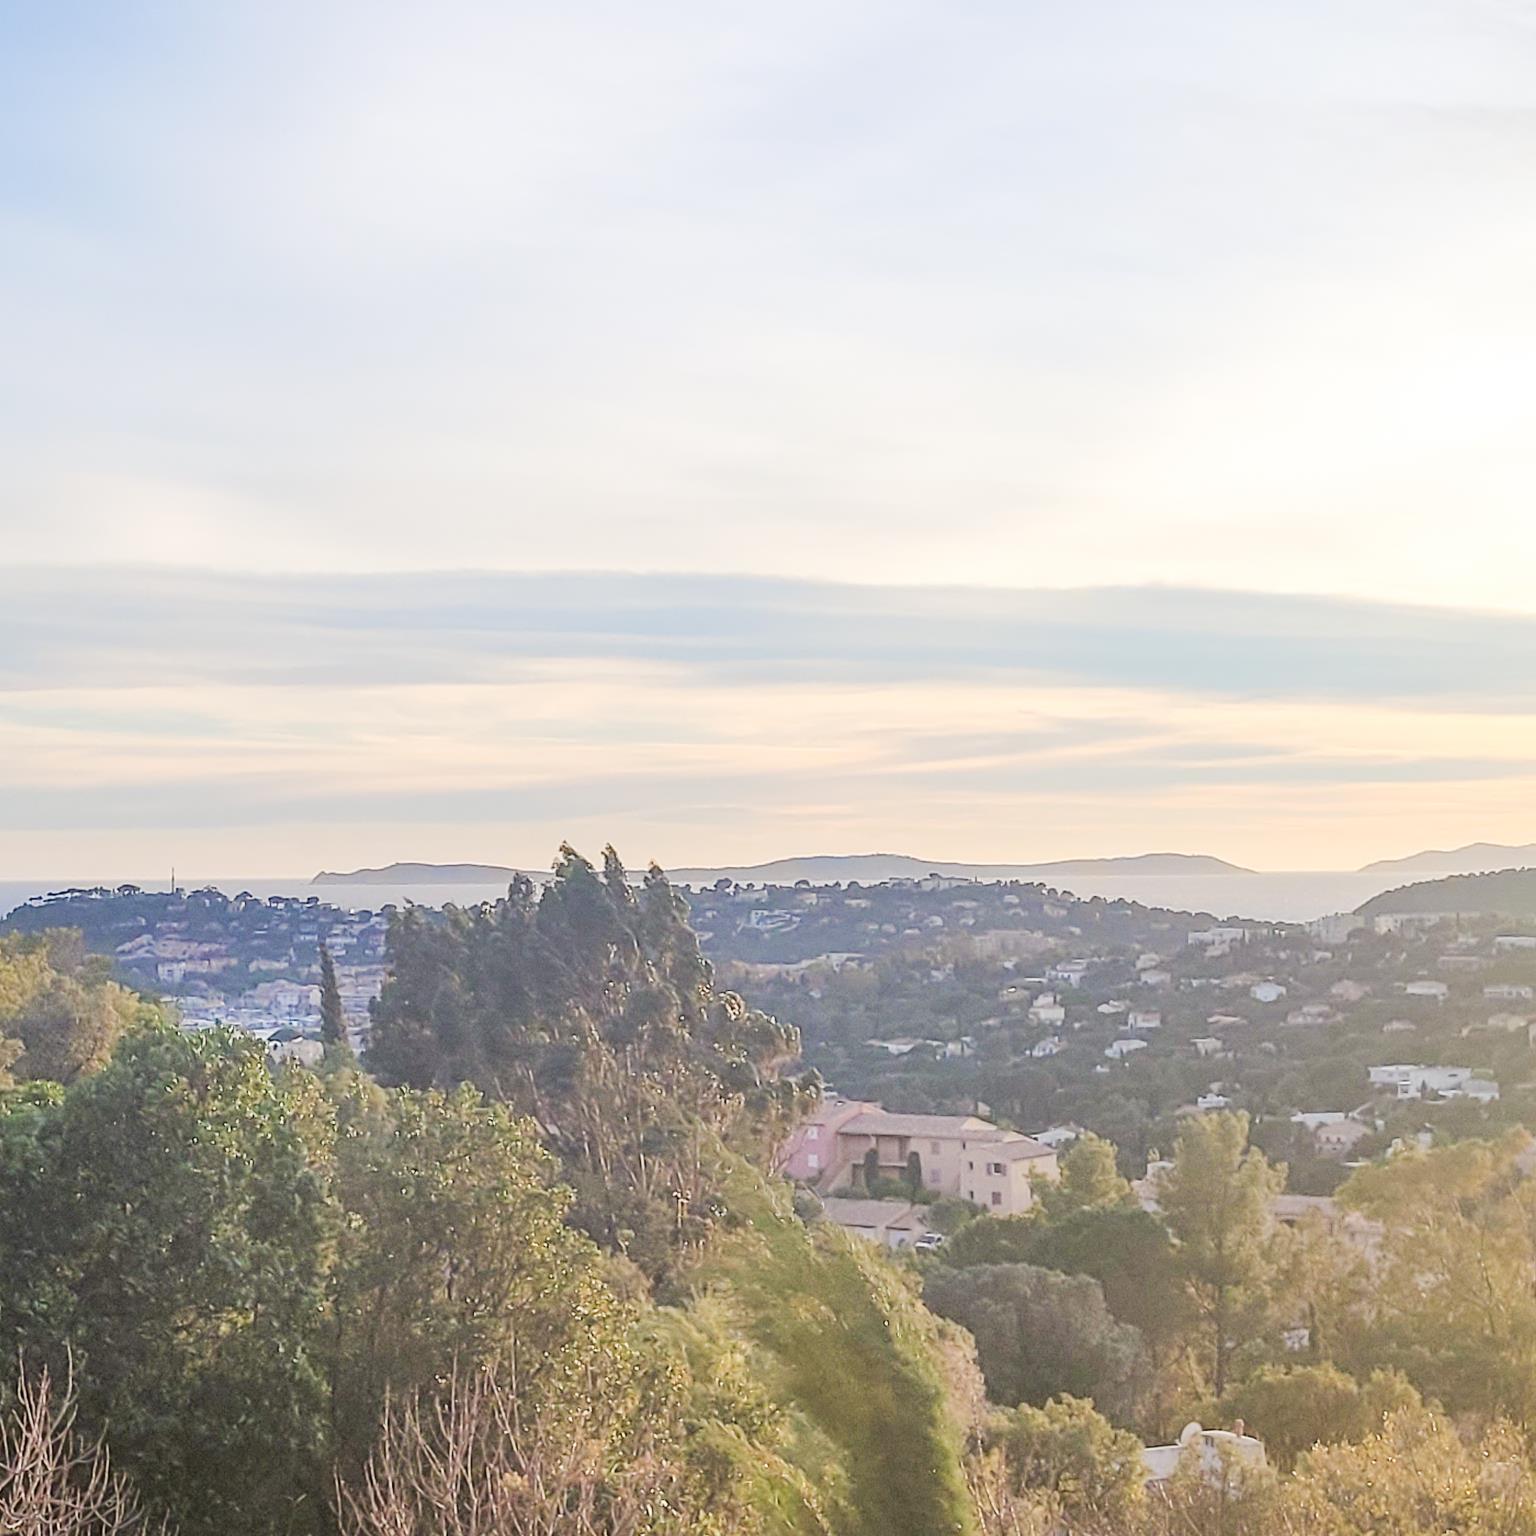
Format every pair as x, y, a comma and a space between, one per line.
960, 1156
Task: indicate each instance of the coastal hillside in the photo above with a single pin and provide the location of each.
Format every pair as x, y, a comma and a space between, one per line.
1509, 893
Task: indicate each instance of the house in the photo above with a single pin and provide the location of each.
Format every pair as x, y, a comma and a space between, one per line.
1118, 1050
1058, 1136
891, 1223
1207, 1102
1500, 1024
1515, 941
1144, 1018
960, 1156
1348, 991
288, 1047
1509, 992
1336, 928
1334, 1134
903, 1045
1046, 1010
1050, 1046
1311, 1013
1218, 1455
1156, 978
1417, 1082
1207, 1045
1221, 939
1266, 991
1067, 973
1436, 991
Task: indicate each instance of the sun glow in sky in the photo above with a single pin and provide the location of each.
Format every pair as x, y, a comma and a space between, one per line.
944, 308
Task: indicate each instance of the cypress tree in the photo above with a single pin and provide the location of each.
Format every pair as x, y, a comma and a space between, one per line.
333, 1025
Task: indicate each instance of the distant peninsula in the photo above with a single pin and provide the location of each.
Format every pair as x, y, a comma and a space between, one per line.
420, 874
824, 869
1473, 859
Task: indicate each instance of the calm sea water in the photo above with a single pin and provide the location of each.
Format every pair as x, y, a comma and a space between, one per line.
1284, 897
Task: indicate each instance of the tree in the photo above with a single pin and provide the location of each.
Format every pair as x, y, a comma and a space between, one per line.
1069, 1450
1293, 1409
474, 1462
871, 1169
53, 1483
1089, 1180
1040, 1334
1216, 1199
1451, 1303
60, 1015
1415, 1477
333, 1023
590, 1007
162, 1225
914, 1173
454, 1252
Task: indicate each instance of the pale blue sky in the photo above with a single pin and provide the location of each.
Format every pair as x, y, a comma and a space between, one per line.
1228, 295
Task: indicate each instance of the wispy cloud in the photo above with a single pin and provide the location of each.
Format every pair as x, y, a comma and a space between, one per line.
305, 720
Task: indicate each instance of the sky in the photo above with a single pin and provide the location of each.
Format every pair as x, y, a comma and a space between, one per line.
989, 431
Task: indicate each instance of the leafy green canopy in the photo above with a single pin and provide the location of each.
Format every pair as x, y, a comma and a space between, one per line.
590, 1007
60, 1013
240, 1266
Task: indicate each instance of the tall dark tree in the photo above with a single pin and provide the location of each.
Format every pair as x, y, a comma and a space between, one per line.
590, 1007
333, 1023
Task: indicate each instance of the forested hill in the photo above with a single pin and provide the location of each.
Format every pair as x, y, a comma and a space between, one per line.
1509, 892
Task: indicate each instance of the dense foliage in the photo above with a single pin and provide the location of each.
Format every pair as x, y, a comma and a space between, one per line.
590, 1007
524, 1271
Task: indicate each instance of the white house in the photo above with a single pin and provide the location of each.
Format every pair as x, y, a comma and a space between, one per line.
1207, 1045
1266, 991
1436, 991
1218, 1455
1118, 1050
1050, 1046
1067, 973
1144, 1018
1509, 992
1415, 1082
1515, 941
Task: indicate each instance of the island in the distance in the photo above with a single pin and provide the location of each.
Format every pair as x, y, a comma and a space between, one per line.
820, 868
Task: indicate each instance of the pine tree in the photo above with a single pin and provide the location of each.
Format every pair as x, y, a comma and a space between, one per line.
333, 1024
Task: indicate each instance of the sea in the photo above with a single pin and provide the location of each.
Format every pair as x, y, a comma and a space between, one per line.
1288, 896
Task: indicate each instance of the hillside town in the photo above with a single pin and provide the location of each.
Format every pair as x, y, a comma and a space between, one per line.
248, 961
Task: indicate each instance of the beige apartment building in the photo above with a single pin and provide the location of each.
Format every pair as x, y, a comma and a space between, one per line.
960, 1156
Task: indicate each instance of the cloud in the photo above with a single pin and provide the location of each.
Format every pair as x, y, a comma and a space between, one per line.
122, 628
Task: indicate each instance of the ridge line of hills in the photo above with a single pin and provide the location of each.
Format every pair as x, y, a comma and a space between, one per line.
1471, 859
871, 867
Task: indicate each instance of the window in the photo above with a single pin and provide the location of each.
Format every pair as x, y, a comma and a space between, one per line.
997, 1197
970, 1167
813, 1133
933, 1175
994, 1167
813, 1161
